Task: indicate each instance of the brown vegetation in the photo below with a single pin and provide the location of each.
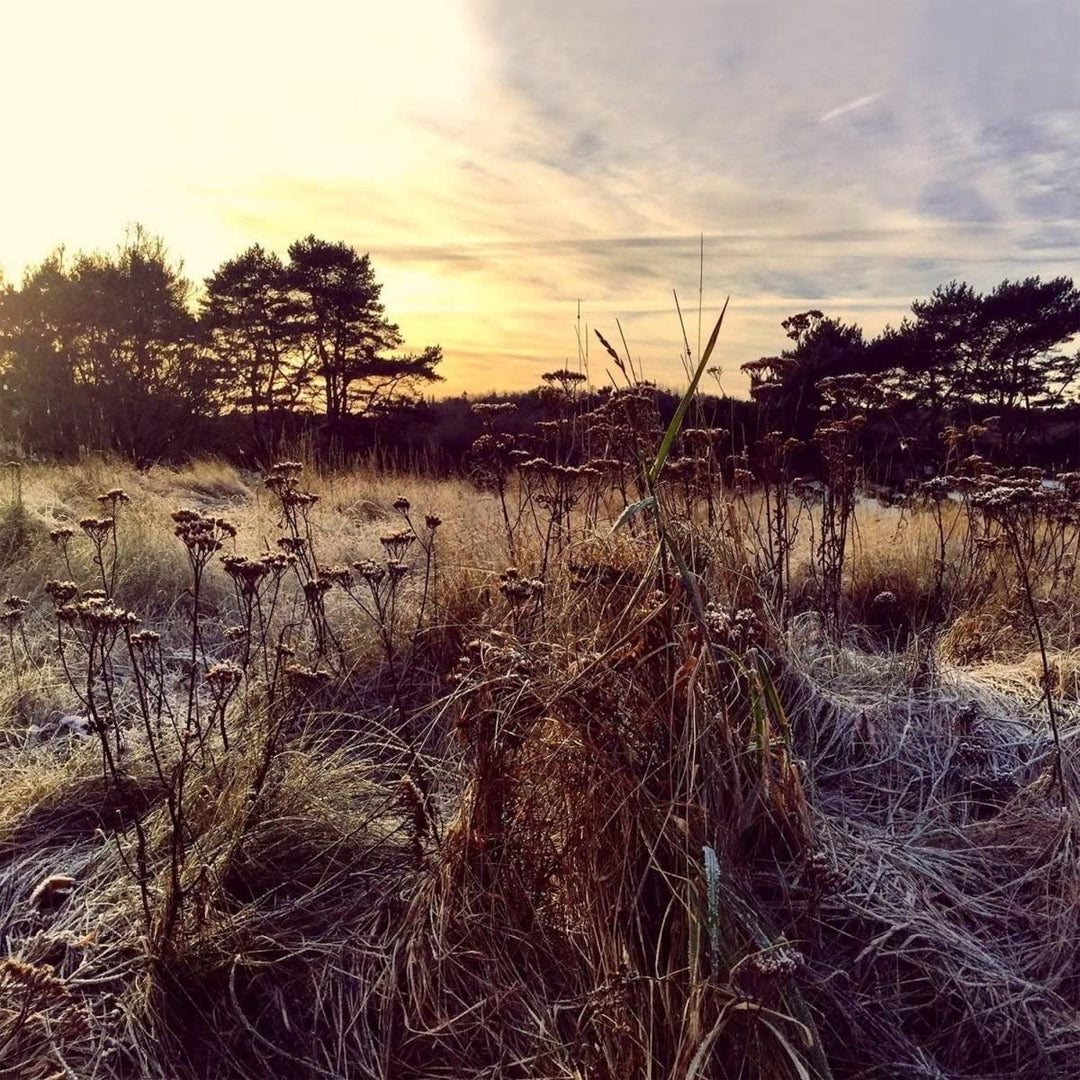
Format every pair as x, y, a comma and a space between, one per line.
608, 762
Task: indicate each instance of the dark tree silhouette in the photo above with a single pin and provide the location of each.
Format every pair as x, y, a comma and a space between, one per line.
44, 405
345, 335
1004, 350
104, 351
1024, 326
253, 325
934, 354
786, 386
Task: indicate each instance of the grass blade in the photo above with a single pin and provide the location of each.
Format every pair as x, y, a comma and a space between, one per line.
633, 510
684, 404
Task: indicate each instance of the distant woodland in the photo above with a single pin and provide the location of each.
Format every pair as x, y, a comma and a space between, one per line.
121, 352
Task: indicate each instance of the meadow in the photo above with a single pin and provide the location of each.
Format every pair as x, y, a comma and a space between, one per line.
614, 757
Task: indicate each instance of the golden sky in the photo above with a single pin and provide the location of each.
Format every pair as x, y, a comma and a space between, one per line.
501, 161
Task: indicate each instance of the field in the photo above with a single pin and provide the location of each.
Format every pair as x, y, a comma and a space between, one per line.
340, 773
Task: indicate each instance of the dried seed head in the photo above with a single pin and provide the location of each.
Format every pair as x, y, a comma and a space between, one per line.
97, 528
247, 573
96, 614
306, 680
61, 592
370, 571
292, 497
397, 544
201, 534
517, 589
223, 678
294, 545
114, 497
338, 575
734, 629
316, 588
287, 468
761, 975
68, 614
491, 411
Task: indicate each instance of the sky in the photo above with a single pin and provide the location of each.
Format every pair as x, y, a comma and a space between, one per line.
502, 161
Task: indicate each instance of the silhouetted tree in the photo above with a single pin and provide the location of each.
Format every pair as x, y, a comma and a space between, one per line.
933, 355
786, 386
44, 407
103, 351
1003, 350
1024, 326
345, 335
253, 324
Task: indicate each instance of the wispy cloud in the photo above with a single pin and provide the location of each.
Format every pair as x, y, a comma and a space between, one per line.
848, 107
502, 161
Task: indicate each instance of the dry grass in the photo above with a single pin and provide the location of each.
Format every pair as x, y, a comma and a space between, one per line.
552, 833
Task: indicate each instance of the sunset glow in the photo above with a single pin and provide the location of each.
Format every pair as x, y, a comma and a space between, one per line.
501, 162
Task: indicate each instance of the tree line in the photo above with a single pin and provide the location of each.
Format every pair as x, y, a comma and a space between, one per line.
120, 351
960, 355
117, 351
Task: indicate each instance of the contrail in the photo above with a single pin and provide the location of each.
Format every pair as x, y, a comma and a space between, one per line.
851, 106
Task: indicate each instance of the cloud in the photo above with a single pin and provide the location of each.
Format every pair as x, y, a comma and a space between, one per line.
851, 106
502, 161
